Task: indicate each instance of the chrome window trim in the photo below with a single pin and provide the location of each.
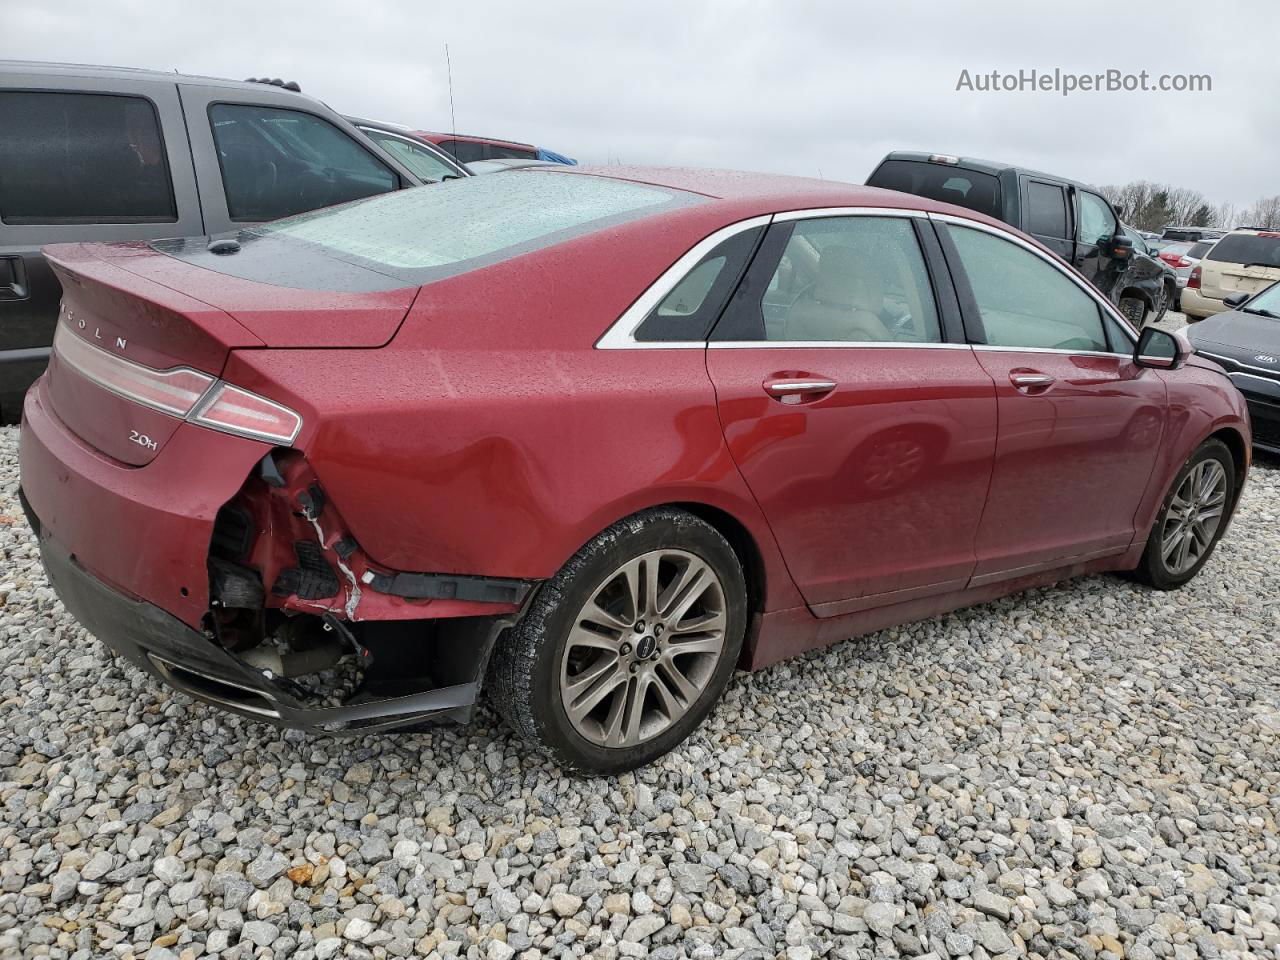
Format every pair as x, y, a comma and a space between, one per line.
996, 348
430, 148
823, 212
825, 344
621, 335
1058, 265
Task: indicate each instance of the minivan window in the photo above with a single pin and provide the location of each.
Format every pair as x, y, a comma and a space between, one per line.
1248, 248
1024, 301
278, 162
82, 158
939, 181
1046, 210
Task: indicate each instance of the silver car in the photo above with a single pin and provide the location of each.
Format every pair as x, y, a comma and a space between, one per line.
1183, 256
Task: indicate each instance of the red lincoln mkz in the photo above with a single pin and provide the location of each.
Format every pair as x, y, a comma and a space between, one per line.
588, 440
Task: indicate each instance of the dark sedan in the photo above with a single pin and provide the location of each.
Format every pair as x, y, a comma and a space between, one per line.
1246, 341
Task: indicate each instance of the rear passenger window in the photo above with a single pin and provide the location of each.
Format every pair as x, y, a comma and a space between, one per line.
82, 158
851, 279
1023, 300
276, 162
1046, 210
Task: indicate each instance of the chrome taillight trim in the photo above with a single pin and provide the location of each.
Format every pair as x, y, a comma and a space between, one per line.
76, 353
199, 415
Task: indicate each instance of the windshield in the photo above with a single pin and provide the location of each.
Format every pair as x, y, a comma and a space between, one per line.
967, 188
1268, 301
426, 233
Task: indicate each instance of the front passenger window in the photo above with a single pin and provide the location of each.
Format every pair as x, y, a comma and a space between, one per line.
851, 279
276, 162
1024, 301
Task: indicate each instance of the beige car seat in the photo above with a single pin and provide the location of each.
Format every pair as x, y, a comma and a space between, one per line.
845, 304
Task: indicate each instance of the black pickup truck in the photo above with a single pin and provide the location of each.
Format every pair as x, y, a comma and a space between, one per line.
1072, 219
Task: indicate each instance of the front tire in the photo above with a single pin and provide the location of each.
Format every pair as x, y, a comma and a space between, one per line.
624, 652
1134, 310
1191, 519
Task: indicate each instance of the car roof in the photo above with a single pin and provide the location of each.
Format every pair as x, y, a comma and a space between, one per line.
759, 193
473, 138
506, 163
992, 167
134, 74
387, 125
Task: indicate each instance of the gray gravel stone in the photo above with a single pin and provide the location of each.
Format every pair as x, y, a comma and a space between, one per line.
1084, 770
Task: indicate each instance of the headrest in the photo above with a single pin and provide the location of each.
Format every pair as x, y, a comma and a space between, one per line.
845, 279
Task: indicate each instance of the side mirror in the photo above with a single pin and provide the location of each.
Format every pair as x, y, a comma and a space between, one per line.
1161, 349
1120, 247
1236, 299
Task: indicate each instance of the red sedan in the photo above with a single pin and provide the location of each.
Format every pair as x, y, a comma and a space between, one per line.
589, 439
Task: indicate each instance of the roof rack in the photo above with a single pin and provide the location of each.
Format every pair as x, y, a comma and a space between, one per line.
277, 82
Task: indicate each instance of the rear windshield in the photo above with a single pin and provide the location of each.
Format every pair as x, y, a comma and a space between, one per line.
939, 181
1248, 248
441, 229
1198, 250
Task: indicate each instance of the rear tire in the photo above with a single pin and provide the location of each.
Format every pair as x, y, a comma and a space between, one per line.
1192, 518
625, 651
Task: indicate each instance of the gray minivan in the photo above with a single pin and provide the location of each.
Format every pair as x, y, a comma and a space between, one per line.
111, 153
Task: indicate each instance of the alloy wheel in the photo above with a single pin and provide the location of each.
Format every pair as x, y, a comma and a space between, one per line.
1193, 516
643, 648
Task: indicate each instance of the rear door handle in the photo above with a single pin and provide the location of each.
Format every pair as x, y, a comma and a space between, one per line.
1031, 380
798, 389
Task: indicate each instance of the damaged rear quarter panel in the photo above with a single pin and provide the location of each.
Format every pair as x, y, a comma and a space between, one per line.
490, 438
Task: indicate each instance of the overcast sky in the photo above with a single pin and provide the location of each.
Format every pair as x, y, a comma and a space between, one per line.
788, 86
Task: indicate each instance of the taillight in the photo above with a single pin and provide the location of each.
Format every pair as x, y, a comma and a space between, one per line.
1184, 262
173, 391
180, 391
238, 411
1193, 281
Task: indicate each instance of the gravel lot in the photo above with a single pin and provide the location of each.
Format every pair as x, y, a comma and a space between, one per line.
1089, 770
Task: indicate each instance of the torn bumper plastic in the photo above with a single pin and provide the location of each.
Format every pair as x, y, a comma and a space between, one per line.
189, 661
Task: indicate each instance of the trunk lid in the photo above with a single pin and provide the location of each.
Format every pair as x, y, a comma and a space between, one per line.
129, 310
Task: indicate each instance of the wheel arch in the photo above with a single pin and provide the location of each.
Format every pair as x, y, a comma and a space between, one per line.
744, 545
1235, 442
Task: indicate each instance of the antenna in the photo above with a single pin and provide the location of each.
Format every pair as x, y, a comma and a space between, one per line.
453, 120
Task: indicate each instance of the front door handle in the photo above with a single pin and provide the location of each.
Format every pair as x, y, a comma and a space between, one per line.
1031, 381
798, 389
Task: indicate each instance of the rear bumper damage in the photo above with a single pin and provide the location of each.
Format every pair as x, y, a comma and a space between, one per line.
183, 658
250, 594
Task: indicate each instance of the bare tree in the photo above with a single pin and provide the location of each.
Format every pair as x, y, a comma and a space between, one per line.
1265, 214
